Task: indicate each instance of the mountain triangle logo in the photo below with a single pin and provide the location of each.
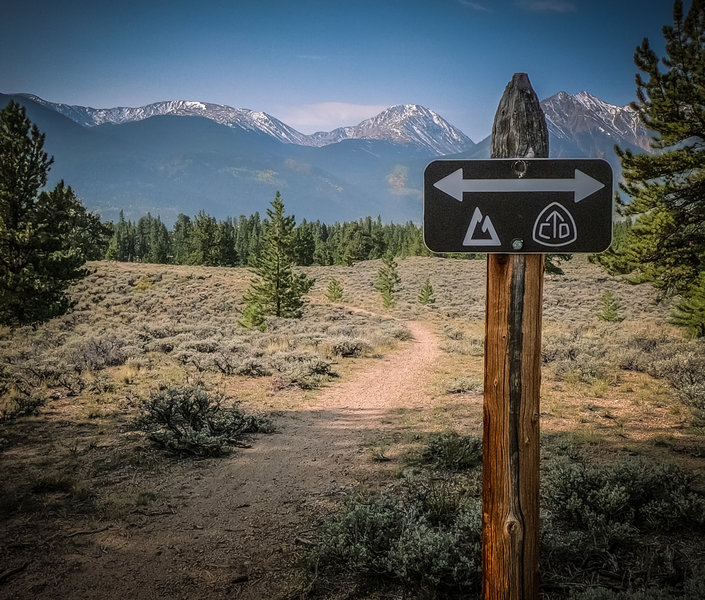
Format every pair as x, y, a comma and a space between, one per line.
481, 231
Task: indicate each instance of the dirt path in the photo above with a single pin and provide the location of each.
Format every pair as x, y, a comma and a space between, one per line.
237, 523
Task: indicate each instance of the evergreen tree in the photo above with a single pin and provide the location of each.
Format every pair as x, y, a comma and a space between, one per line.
159, 248
254, 239
614, 259
112, 252
667, 240
334, 291
276, 290
142, 234
356, 244
377, 237
227, 255
426, 293
203, 242
610, 308
181, 239
553, 261
387, 281
38, 255
322, 255
304, 244
104, 232
122, 244
89, 234
690, 311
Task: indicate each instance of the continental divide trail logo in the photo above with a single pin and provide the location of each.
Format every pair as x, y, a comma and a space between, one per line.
555, 227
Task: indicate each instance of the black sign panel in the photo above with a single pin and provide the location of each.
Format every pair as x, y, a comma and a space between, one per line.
527, 205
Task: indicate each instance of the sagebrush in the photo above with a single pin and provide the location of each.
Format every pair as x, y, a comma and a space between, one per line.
189, 420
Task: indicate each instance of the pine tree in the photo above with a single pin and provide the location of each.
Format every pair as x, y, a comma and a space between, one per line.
122, 244
553, 261
181, 239
89, 234
159, 248
38, 255
356, 244
203, 242
304, 244
426, 293
227, 255
667, 188
334, 291
254, 239
388, 280
276, 290
610, 308
690, 310
142, 237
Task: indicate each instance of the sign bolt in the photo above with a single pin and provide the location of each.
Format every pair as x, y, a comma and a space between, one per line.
517, 244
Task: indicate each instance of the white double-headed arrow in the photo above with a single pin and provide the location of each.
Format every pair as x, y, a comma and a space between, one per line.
581, 185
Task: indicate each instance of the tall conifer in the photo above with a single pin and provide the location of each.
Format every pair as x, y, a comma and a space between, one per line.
39, 257
667, 188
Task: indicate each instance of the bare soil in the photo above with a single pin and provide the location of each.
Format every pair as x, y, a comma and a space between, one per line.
235, 527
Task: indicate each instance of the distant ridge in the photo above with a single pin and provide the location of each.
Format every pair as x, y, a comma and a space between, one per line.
186, 156
403, 124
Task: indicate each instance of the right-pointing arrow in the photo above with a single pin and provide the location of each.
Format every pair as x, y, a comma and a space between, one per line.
585, 185
581, 185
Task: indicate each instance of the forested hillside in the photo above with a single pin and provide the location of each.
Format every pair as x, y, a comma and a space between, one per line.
203, 240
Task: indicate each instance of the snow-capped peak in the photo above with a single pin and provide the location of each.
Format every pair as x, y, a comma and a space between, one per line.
225, 115
404, 124
583, 113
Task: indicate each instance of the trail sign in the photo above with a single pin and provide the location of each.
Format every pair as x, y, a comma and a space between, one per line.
519, 205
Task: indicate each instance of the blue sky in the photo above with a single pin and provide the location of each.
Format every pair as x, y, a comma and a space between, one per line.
319, 64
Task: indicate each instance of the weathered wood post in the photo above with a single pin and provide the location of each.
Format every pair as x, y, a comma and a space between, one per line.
510, 497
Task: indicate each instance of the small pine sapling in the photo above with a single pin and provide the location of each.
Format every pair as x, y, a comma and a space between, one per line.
426, 293
611, 309
690, 310
387, 281
334, 291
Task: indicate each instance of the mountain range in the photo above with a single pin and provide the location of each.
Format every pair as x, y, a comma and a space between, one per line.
184, 156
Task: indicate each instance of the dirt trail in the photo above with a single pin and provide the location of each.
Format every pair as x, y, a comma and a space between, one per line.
237, 523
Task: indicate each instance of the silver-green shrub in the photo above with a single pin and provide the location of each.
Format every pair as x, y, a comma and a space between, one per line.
190, 421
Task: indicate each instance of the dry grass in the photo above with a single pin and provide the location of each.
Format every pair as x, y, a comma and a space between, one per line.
594, 388
607, 387
81, 378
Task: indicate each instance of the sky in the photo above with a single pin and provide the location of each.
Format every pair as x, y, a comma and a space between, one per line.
321, 64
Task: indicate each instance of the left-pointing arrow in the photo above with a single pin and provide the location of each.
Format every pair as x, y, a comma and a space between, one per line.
581, 185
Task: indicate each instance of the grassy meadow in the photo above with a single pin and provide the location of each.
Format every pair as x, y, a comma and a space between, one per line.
626, 394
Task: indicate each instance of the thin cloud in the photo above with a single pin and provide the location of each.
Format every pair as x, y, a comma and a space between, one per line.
398, 180
475, 6
325, 116
559, 6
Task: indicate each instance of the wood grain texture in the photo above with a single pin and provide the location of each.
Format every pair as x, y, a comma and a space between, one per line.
511, 444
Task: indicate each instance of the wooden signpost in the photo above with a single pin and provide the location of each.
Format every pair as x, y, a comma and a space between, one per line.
515, 207
510, 465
